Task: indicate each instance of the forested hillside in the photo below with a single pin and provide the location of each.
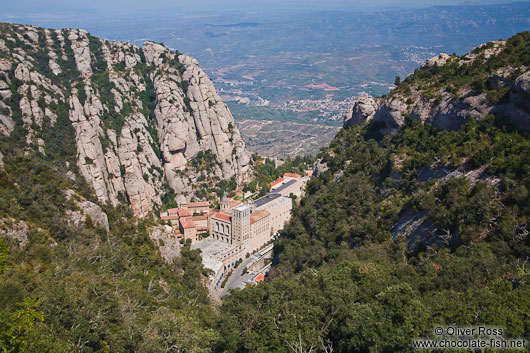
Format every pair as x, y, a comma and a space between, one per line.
68, 284
402, 231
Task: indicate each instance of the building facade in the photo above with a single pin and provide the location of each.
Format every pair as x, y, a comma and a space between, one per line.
279, 208
290, 184
235, 230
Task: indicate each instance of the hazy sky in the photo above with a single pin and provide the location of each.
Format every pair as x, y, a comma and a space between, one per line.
117, 7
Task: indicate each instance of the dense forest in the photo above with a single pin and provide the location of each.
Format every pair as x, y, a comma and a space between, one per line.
81, 288
346, 277
342, 280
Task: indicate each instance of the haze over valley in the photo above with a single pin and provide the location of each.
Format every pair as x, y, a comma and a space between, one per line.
303, 66
315, 177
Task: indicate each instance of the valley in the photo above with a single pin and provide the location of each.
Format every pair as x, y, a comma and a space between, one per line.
306, 66
284, 139
141, 213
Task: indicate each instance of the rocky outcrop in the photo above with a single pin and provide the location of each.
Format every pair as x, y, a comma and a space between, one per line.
418, 229
362, 111
438, 60
168, 244
140, 115
447, 113
14, 229
196, 121
519, 107
464, 171
319, 168
143, 175
443, 108
392, 113
85, 209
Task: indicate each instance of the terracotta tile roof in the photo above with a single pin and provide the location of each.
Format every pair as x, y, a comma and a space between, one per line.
198, 204
172, 211
309, 173
235, 203
199, 218
259, 278
183, 212
258, 215
292, 175
277, 181
169, 218
187, 223
222, 216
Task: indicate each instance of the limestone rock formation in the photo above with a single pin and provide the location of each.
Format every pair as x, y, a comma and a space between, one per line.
167, 243
445, 108
519, 106
362, 111
140, 115
14, 229
417, 228
319, 167
439, 60
86, 209
392, 113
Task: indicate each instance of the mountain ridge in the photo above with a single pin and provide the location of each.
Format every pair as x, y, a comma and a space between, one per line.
140, 115
494, 85
408, 222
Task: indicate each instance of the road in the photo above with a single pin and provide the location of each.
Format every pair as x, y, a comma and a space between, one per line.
238, 279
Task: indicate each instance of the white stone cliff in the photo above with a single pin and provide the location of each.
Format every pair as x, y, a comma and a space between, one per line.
123, 148
446, 110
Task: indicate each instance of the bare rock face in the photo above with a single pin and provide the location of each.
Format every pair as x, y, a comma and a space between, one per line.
16, 230
519, 107
450, 113
86, 208
195, 121
362, 111
143, 174
417, 228
167, 243
448, 110
439, 60
140, 115
392, 113
319, 167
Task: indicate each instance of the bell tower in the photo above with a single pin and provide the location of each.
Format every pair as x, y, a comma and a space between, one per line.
240, 224
225, 205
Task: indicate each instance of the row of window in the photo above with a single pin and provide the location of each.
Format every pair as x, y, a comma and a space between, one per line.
222, 228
